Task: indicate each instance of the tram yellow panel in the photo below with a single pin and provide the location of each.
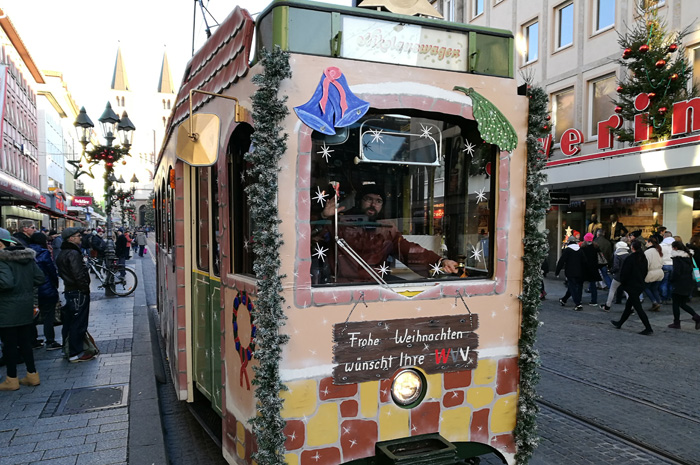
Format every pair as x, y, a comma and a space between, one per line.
394, 422
455, 424
434, 386
485, 372
503, 414
291, 459
240, 450
479, 397
322, 428
369, 399
300, 400
240, 432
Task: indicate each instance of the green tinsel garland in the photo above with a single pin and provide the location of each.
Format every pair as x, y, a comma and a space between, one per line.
269, 142
536, 249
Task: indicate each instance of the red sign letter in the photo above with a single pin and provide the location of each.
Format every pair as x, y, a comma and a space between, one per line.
546, 145
605, 136
570, 141
642, 128
684, 116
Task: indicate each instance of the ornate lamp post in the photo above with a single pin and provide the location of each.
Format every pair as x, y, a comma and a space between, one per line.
113, 128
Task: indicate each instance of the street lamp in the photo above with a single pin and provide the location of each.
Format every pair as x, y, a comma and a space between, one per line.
111, 124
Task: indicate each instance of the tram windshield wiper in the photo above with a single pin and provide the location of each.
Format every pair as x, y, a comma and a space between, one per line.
365, 266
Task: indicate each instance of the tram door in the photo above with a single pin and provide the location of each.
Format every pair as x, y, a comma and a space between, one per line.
206, 282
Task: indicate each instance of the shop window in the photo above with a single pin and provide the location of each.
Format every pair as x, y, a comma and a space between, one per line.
202, 217
240, 224
448, 10
601, 105
604, 14
413, 189
478, 7
565, 25
532, 34
563, 112
696, 65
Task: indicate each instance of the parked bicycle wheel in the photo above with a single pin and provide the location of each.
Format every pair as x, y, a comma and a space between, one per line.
124, 285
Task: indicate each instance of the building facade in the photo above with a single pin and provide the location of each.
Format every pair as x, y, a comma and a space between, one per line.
571, 49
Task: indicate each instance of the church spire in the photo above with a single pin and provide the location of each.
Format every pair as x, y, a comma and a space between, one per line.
165, 83
119, 80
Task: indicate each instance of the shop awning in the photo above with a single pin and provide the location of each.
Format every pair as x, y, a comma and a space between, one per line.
18, 189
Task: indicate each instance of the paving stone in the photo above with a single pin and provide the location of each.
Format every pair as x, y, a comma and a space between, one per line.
68, 460
68, 451
105, 457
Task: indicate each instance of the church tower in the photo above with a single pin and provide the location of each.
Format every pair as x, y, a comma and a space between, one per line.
120, 95
165, 100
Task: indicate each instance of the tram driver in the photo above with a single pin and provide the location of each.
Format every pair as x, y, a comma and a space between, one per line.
373, 240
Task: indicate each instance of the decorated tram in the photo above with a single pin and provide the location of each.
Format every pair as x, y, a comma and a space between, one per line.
339, 233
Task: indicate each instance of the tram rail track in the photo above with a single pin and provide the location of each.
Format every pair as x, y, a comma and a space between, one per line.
622, 394
614, 433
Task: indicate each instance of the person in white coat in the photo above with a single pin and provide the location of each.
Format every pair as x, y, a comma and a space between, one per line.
655, 273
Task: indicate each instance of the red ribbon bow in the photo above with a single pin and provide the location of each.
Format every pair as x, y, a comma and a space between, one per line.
331, 74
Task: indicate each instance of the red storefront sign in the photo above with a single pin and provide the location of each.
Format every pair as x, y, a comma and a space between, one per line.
685, 119
81, 201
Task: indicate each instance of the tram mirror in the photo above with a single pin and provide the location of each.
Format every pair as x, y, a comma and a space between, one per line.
395, 139
201, 146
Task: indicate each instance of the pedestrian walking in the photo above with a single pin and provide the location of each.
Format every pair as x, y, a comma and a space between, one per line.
122, 252
26, 229
632, 275
19, 275
683, 284
606, 248
141, 241
571, 261
664, 287
590, 267
48, 290
655, 273
76, 279
622, 251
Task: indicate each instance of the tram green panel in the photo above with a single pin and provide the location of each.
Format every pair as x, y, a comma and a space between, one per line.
216, 382
201, 321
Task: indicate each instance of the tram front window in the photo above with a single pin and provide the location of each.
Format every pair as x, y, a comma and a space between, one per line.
414, 200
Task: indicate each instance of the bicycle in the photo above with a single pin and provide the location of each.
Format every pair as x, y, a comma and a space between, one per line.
111, 276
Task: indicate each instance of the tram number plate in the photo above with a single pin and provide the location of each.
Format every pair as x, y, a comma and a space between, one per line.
372, 350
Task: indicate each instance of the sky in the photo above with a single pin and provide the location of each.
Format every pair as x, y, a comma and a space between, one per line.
80, 38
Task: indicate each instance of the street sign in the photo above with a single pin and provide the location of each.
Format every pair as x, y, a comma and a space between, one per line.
559, 198
647, 191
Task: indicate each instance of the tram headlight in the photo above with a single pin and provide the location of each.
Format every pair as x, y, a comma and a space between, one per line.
408, 388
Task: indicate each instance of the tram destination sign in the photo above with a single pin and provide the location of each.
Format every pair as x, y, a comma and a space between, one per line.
648, 191
372, 350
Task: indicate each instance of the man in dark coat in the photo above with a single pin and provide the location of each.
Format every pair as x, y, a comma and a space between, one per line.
617, 229
26, 229
76, 280
572, 261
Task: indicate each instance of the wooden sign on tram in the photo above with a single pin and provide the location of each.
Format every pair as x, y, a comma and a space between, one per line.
371, 350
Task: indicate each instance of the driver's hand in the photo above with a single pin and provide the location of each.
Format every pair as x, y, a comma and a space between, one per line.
450, 266
329, 209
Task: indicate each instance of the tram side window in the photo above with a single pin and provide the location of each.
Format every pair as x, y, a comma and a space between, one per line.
415, 200
202, 218
241, 226
216, 243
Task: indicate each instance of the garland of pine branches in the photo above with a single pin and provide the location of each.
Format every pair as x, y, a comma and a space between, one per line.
269, 142
536, 249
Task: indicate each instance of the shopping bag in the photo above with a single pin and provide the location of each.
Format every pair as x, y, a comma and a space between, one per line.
145, 250
89, 346
696, 272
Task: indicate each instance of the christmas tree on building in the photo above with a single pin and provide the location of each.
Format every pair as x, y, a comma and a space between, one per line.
657, 75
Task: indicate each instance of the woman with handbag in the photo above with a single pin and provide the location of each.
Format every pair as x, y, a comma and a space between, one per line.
655, 272
683, 283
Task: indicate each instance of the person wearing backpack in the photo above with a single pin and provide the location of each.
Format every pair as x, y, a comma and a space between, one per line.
48, 291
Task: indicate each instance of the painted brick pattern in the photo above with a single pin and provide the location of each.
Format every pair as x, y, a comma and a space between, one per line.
474, 406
